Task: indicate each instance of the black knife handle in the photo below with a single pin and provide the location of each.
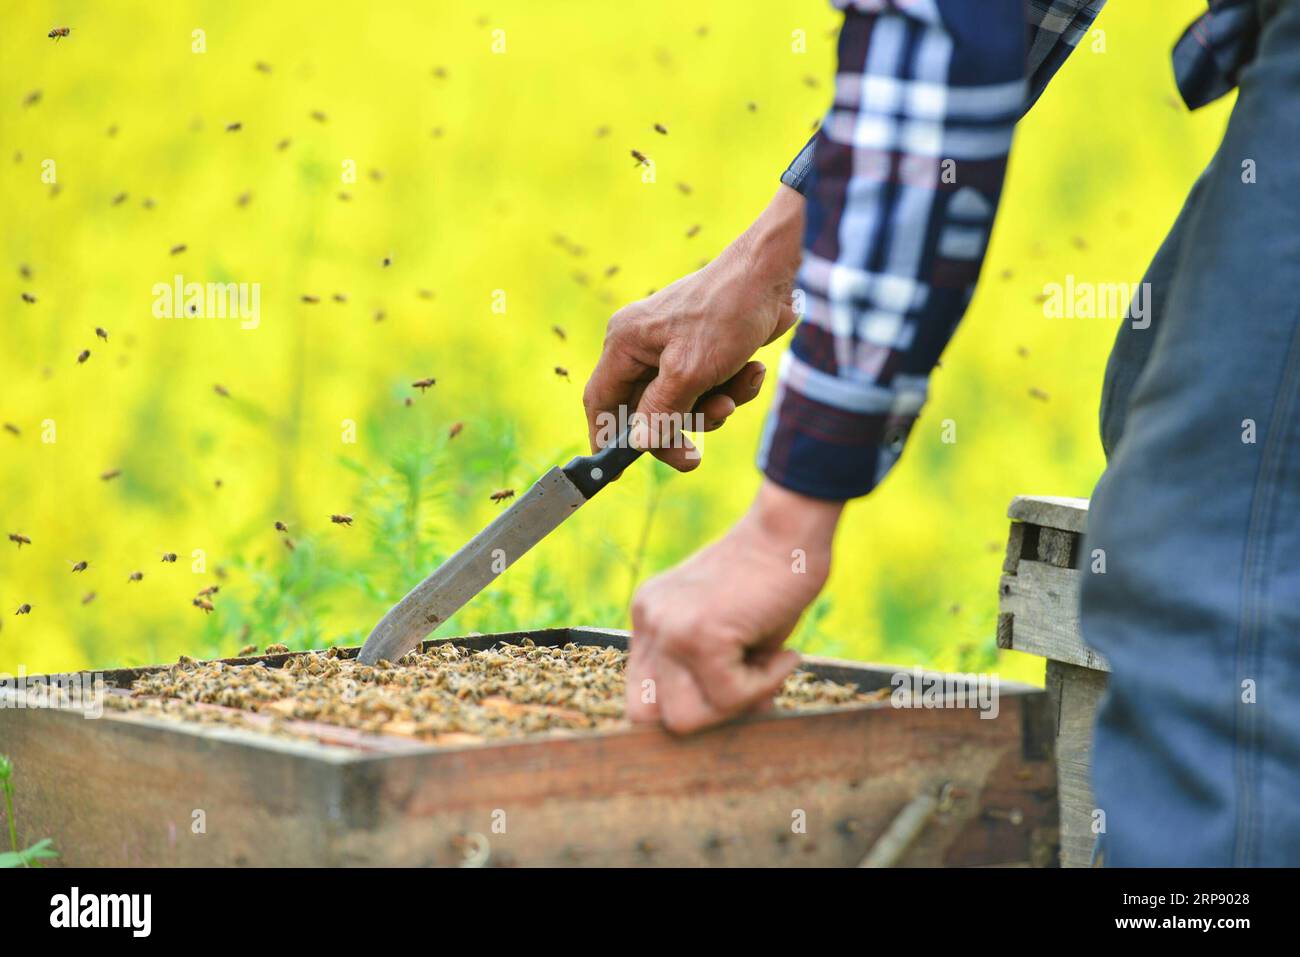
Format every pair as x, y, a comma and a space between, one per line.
591, 473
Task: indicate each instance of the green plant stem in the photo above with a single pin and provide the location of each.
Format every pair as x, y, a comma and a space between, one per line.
9, 812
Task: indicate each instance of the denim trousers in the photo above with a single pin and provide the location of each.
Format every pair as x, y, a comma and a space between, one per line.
1196, 757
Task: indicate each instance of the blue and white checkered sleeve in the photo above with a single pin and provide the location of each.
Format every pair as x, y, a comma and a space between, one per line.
905, 176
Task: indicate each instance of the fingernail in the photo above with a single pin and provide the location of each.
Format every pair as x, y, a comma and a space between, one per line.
756, 380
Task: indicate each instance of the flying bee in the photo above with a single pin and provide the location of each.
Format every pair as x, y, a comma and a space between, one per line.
101, 333
234, 127
83, 356
221, 390
203, 603
20, 539
80, 566
169, 557
262, 67
24, 609
58, 33
25, 270
135, 577
243, 199
87, 598
209, 591
684, 188
178, 249
247, 650
424, 293
560, 333
280, 526
408, 402
28, 298
319, 116
562, 372
282, 145
1037, 393
311, 300
341, 519
693, 231
455, 429
10, 427
641, 158
340, 297
423, 384
502, 495
387, 261
109, 475
660, 128
288, 543
119, 199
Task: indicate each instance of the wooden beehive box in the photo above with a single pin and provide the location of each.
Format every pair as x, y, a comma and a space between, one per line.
1038, 613
124, 789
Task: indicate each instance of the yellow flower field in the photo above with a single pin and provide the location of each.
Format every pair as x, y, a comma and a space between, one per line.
451, 182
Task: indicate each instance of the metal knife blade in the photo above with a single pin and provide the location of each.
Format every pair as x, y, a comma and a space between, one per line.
538, 512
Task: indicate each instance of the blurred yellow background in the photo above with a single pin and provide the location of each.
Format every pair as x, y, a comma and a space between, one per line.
493, 167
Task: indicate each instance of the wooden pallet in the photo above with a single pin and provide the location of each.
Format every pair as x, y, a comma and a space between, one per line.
124, 789
1038, 613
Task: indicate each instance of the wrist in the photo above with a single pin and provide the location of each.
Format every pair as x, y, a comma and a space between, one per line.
804, 522
773, 244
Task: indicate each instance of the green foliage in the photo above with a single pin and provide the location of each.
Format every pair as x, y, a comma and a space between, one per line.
29, 857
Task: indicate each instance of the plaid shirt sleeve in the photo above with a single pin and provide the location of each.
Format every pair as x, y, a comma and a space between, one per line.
902, 182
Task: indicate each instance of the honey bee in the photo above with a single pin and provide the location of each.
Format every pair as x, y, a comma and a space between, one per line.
660, 128
280, 526
455, 429
751, 106
319, 116
341, 519
234, 127
311, 300
562, 372
502, 495
203, 603
1037, 393
178, 249
243, 199
276, 649
380, 315
340, 297
24, 609
693, 231
221, 390
32, 98
247, 650
209, 591
611, 271
261, 67
29, 298
21, 540
423, 384
408, 402
169, 557
119, 199
109, 475
282, 145
11, 428
641, 158
424, 293
135, 577
288, 543
58, 33
80, 566
87, 598
83, 356
101, 333
387, 261
560, 333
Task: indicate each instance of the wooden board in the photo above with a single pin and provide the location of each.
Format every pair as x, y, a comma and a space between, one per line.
1038, 594
1076, 692
127, 788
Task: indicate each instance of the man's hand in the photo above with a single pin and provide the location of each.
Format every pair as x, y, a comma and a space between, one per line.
707, 635
687, 347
